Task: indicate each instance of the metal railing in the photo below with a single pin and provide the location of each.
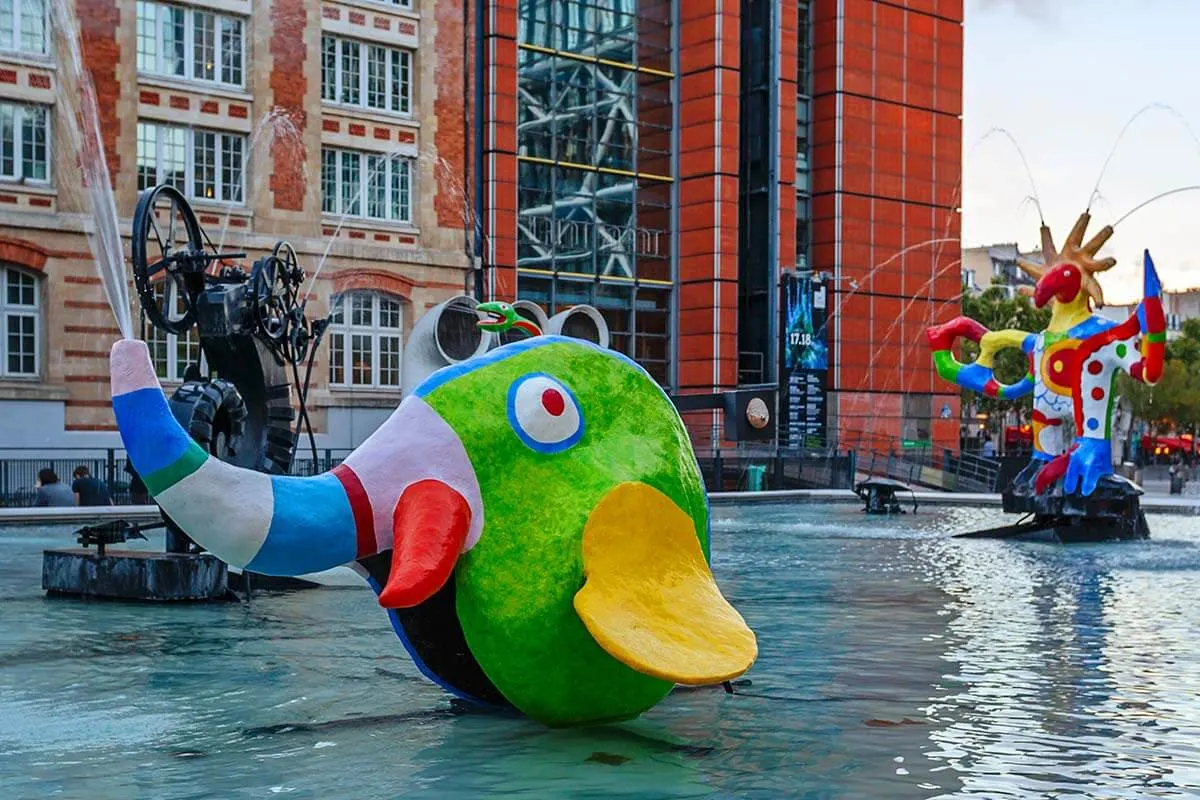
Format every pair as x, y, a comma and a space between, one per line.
723, 469
940, 469
751, 469
19, 469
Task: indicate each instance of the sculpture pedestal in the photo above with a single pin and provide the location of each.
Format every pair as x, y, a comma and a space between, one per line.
134, 575
1111, 513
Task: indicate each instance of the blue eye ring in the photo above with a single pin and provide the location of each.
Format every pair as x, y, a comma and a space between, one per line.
519, 407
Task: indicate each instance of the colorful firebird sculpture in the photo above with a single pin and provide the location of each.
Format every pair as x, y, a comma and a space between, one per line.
1073, 364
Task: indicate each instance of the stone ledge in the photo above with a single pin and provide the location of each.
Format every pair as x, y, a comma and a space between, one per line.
32, 390
347, 397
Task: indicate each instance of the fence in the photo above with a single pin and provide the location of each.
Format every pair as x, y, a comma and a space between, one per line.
941, 469
19, 469
727, 469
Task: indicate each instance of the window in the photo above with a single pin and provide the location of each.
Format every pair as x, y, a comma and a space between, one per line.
372, 185
24, 142
23, 26
399, 3
188, 43
203, 164
367, 75
172, 354
19, 317
364, 340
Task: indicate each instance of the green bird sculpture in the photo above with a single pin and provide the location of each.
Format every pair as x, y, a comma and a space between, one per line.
533, 519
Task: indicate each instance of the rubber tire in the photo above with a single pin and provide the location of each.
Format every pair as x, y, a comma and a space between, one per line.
205, 406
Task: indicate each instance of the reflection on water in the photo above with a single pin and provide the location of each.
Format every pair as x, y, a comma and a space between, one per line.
895, 663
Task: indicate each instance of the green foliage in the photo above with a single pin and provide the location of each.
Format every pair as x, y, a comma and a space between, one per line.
1172, 404
996, 311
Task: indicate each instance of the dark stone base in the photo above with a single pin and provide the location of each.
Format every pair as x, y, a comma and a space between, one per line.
1114, 497
131, 575
1076, 530
1110, 513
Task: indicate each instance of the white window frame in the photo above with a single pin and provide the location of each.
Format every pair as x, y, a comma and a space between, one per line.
154, 336
340, 334
189, 160
333, 94
8, 311
17, 45
189, 44
18, 173
405, 4
391, 164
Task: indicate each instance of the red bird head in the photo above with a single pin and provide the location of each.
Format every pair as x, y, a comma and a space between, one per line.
1063, 275
1062, 282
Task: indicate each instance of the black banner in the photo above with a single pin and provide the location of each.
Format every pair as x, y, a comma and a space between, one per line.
804, 362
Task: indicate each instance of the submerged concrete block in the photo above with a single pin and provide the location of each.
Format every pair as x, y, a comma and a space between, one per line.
132, 575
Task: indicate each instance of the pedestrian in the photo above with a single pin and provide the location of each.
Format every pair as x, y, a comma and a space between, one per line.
989, 449
88, 490
51, 492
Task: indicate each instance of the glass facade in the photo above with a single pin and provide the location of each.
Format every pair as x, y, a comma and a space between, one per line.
595, 112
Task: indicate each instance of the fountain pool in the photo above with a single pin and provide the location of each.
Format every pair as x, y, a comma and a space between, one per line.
894, 663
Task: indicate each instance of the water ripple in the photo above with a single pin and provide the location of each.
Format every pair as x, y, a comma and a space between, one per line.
894, 663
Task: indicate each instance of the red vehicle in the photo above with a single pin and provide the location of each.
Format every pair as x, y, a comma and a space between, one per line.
1018, 437
1164, 447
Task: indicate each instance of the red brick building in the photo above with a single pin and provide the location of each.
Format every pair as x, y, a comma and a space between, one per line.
337, 125
668, 162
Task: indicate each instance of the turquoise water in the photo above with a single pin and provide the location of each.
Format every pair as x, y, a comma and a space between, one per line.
895, 663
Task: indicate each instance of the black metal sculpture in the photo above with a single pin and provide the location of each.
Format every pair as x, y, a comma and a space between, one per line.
879, 495
254, 337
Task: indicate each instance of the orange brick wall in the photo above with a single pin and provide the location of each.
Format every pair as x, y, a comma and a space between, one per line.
451, 121
789, 52
886, 174
500, 149
289, 85
708, 79
101, 50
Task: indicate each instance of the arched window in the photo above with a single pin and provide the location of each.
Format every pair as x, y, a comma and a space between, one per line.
20, 319
172, 354
365, 340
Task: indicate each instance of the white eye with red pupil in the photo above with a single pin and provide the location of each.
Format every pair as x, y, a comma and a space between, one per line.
544, 413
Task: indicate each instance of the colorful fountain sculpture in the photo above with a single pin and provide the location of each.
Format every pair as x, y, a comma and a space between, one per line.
1069, 489
533, 518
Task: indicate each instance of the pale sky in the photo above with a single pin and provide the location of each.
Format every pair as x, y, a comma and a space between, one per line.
1063, 77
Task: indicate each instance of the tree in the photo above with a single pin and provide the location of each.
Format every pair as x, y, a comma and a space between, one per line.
996, 311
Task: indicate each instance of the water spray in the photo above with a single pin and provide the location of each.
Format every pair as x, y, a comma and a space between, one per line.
76, 95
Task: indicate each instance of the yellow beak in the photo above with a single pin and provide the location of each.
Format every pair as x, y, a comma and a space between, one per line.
649, 598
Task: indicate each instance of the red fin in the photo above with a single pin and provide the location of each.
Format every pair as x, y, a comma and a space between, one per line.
429, 527
1053, 470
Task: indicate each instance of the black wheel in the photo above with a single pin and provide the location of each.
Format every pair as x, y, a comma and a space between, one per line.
275, 286
162, 216
213, 413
